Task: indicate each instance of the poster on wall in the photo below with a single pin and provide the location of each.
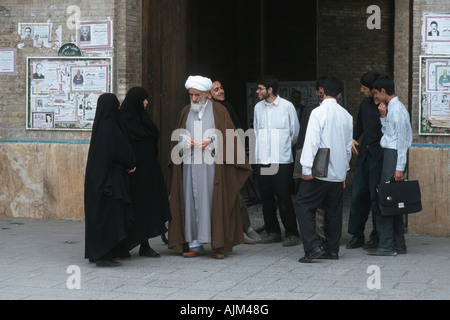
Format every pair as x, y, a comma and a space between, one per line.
40, 33
436, 33
94, 35
8, 61
434, 95
307, 90
62, 92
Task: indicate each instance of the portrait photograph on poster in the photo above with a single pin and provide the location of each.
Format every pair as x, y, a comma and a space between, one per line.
94, 35
436, 33
39, 33
434, 95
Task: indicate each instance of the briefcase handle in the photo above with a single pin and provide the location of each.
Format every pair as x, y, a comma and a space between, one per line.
393, 179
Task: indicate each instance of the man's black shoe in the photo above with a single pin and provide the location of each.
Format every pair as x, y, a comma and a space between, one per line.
107, 263
370, 245
329, 256
355, 243
323, 242
313, 254
400, 250
381, 252
148, 252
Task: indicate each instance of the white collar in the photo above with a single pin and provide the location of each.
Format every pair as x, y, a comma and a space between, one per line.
276, 102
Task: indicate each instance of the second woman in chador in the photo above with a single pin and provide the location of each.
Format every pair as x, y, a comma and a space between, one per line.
149, 194
107, 201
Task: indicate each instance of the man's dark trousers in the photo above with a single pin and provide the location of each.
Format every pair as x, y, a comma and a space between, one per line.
310, 195
275, 189
364, 198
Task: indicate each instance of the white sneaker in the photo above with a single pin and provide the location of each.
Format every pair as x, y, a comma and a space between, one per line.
252, 234
247, 240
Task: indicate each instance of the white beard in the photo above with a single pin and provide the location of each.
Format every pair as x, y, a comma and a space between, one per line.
196, 107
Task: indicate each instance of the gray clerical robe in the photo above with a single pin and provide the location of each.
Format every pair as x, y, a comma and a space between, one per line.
198, 178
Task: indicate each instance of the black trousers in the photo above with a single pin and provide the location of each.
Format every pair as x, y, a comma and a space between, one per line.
275, 193
364, 198
310, 195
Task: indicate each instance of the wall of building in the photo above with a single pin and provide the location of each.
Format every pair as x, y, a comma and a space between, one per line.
347, 48
42, 172
429, 157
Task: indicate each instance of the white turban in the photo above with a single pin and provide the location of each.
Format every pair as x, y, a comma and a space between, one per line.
198, 82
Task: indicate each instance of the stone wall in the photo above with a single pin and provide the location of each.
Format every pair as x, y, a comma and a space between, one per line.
42, 180
42, 172
429, 158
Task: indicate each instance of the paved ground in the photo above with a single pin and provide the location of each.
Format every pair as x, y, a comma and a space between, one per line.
42, 259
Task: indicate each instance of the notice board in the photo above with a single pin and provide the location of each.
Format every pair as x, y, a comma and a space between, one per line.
62, 92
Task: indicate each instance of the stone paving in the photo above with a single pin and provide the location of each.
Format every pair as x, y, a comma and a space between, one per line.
43, 259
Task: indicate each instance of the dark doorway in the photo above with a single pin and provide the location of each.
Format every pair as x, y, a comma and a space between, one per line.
236, 42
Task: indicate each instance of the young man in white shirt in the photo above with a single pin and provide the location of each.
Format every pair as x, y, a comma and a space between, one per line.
276, 128
330, 126
396, 140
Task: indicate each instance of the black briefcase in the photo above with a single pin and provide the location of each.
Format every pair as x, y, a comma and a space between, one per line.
321, 161
401, 197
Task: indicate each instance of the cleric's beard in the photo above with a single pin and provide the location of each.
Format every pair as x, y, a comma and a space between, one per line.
196, 107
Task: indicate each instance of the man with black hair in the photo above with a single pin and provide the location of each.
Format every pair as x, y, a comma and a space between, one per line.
434, 29
396, 140
329, 126
276, 128
368, 167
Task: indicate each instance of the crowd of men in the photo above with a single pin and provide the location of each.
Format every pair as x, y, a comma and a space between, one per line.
209, 167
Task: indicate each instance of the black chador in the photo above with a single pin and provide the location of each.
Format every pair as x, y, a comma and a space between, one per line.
107, 200
149, 193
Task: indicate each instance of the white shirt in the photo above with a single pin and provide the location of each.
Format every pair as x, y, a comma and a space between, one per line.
329, 126
276, 128
397, 133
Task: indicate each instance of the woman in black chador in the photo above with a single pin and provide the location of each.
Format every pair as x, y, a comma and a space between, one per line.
148, 189
107, 201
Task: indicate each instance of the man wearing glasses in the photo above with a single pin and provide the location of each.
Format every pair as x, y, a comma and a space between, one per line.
276, 128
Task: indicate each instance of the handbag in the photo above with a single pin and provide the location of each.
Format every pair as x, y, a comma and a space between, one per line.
320, 164
401, 197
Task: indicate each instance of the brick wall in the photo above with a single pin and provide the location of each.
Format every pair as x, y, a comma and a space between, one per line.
42, 172
347, 48
126, 17
431, 166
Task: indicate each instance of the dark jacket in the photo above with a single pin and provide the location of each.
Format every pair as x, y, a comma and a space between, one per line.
368, 125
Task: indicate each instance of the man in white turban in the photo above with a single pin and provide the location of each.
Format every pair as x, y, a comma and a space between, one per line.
199, 83
204, 198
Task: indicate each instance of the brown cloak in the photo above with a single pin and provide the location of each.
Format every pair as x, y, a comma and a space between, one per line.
226, 229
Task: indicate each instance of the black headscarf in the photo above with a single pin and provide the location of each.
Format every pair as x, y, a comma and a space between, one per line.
135, 118
101, 149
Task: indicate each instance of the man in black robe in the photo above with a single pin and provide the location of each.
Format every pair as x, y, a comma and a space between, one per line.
107, 201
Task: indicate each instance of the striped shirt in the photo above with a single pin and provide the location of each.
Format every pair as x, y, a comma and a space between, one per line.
397, 133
